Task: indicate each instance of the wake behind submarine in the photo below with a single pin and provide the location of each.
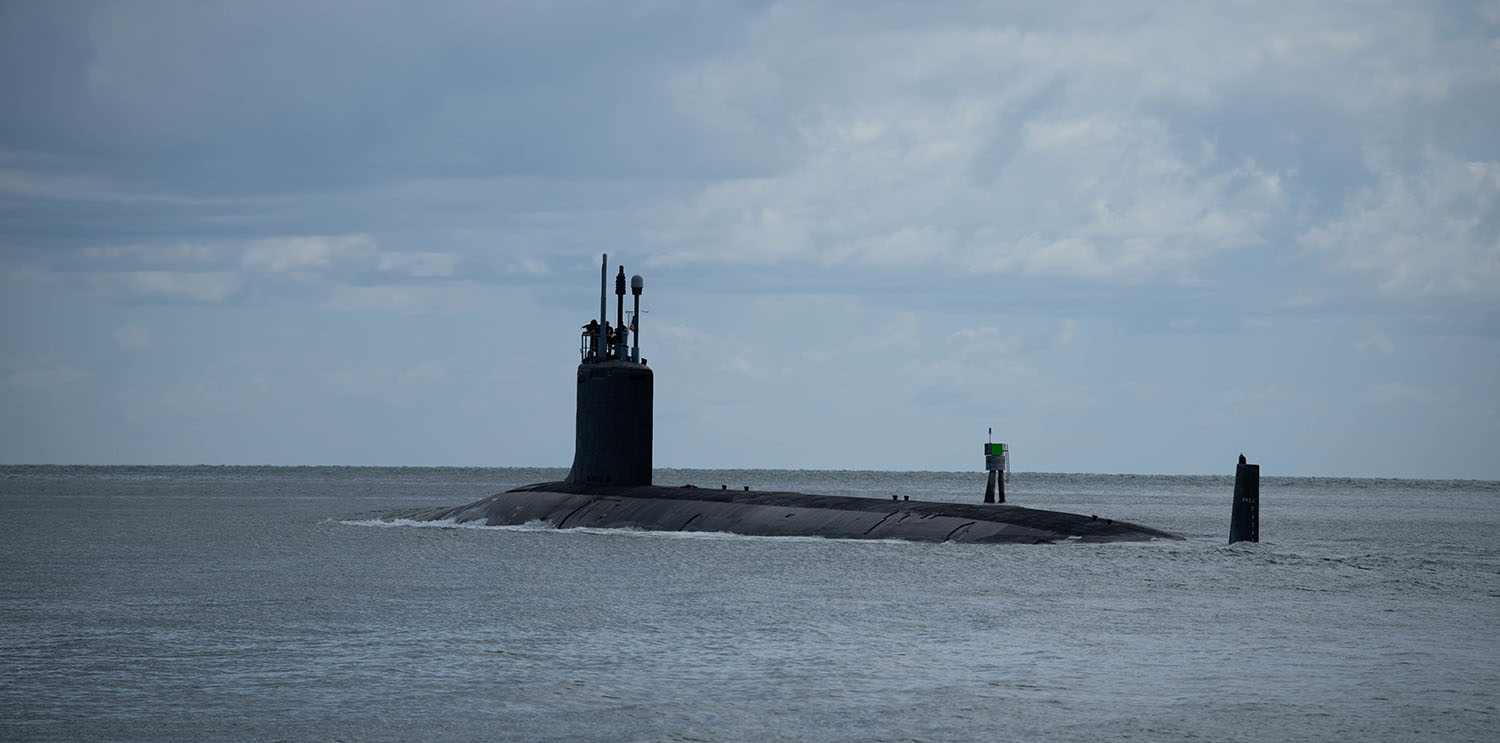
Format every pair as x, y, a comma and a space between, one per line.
609, 485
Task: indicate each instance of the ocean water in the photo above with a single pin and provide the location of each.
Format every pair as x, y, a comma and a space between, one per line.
247, 603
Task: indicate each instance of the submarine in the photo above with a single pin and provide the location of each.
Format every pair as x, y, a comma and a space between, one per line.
609, 484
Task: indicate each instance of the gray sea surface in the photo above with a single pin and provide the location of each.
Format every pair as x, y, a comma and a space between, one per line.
272, 603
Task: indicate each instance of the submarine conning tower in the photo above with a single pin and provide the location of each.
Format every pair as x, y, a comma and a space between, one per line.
613, 429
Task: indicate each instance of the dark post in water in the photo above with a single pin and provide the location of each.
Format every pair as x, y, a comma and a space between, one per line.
1244, 523
995, 461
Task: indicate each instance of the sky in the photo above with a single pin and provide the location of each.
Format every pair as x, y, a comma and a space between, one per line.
1127, 237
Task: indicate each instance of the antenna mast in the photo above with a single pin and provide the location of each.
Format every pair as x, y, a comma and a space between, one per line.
603, 311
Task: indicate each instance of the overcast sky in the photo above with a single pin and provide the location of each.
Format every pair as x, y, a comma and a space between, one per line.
1136, 240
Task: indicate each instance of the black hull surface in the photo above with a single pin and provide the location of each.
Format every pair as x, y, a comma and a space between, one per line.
654, 508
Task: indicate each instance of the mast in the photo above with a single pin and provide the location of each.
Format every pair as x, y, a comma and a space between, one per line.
603, 313
619, 349
636, 284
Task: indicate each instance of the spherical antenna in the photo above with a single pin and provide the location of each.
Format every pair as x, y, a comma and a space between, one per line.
637, 284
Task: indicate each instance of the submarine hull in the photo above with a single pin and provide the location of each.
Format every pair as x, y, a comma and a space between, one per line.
568, 505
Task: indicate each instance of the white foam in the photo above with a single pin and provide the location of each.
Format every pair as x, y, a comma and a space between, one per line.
541, 525
533, 525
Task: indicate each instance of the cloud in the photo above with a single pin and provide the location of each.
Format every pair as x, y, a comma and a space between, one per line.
971, 157
903, 193
475, 87
418, 264
339, 268
1042, 136
1377, 342
683, 345
1113, 146
167, 256
527, 266
23, 184
449, 299
1099, 143
132, 337
306, 255
1431, 230
987, 367
1067, 332
210, 287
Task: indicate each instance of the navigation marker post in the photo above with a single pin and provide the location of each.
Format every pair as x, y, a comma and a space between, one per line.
997, 461
1244, 520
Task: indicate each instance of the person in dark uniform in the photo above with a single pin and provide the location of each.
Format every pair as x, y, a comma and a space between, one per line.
592, 331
